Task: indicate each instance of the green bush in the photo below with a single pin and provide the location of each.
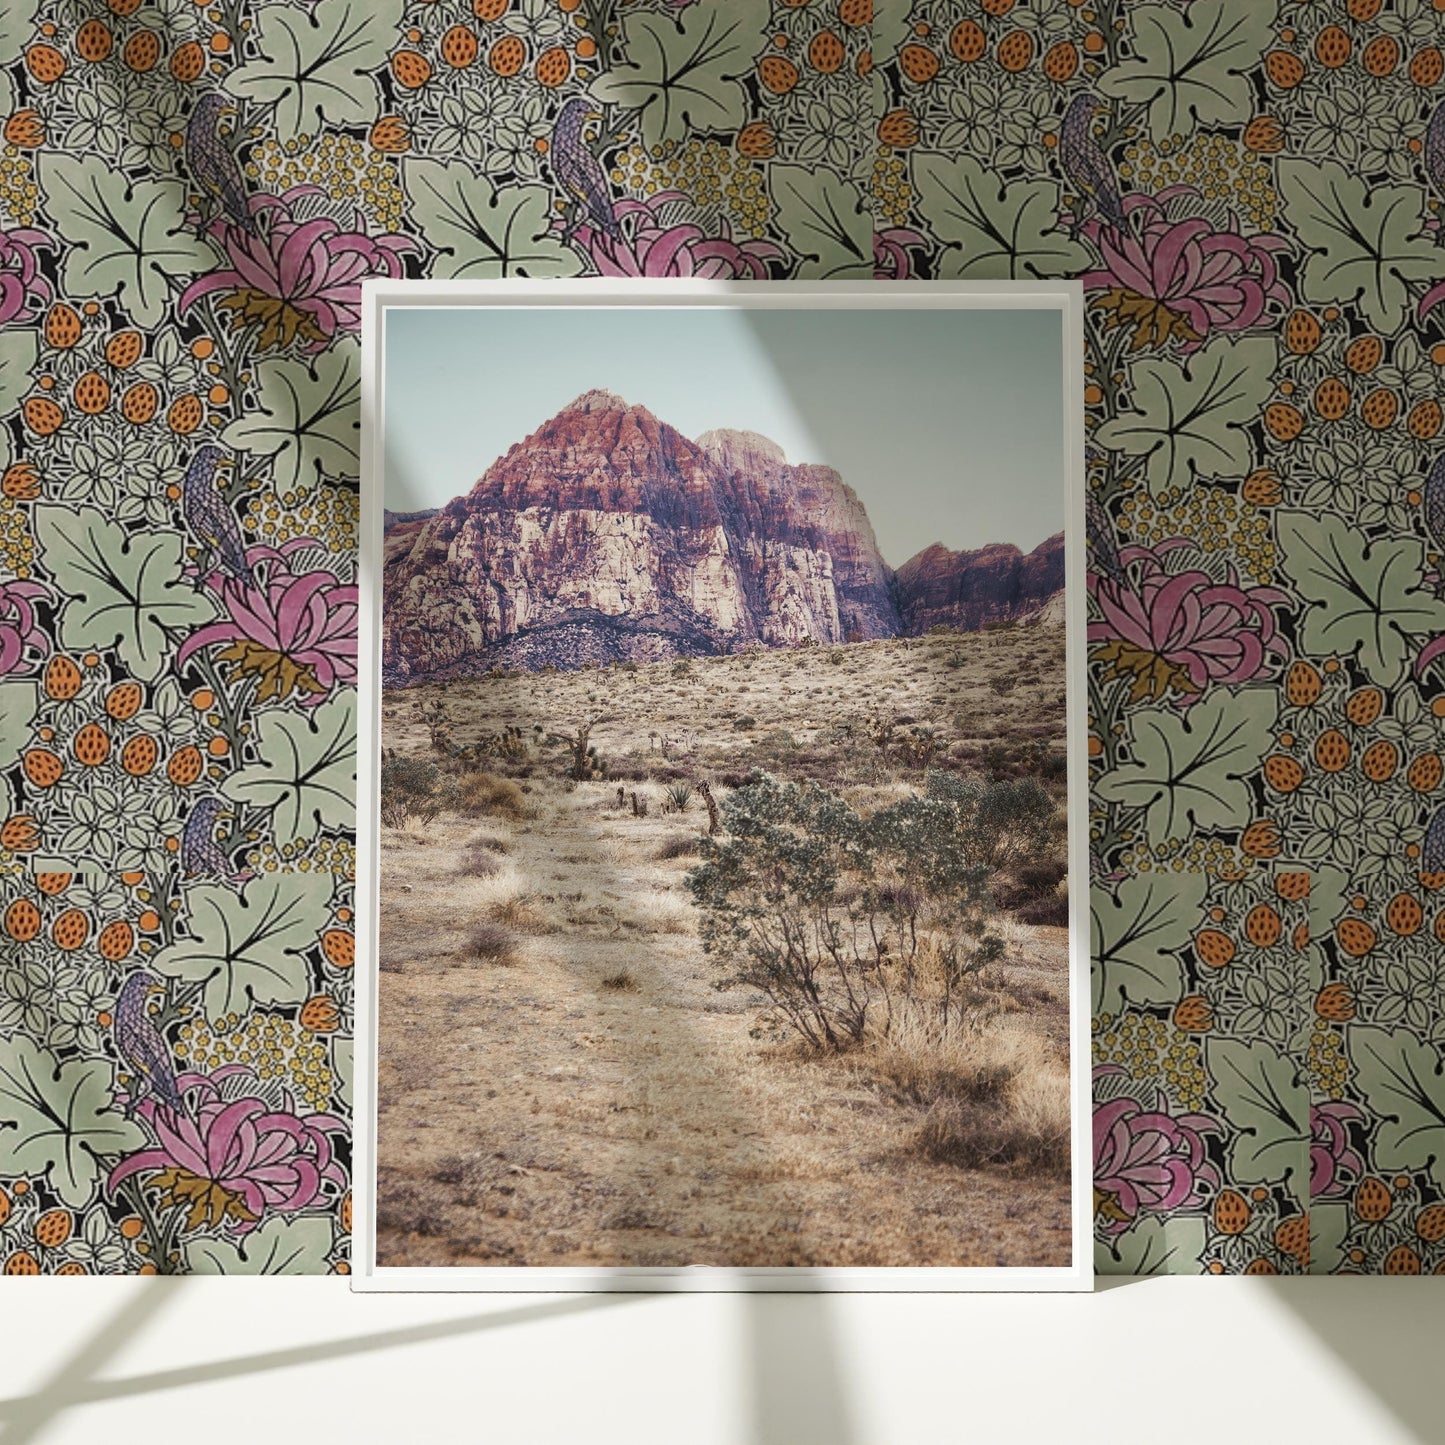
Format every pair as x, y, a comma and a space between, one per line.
413, 788
828, 913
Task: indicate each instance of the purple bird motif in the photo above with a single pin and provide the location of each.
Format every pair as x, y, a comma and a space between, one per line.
1086, 166
210, 519
579, 171
141, 1044
213, 165
1435, 161
201, 855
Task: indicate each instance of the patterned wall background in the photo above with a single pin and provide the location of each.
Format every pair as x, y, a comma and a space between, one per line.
189, 195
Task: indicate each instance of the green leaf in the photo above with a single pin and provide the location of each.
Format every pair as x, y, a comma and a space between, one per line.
479, 232
18, 350
1190, 420
343, 1065
1265, 1098
991, 229
1137, 933
127, 238
307, 416
1191, 68
17, 17
315, 65
280, 1246
1154, 1246
826, 221
1365, 239
19, 702
1366, 598
1188, 768
306, 770
1402, 1079
125, 592
59, 1118
680, 75
1329, 1229
250, 949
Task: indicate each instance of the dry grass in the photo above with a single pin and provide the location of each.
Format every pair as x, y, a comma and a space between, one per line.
486, 795
490, 943
597, 1101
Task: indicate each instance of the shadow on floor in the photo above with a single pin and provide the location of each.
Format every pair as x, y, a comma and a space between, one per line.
75, 1382
799, 1395
1386, 1333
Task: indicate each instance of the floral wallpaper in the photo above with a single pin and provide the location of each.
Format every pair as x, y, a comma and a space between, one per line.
1251, 192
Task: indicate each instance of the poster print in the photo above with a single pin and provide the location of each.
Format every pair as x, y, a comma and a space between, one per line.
719, 754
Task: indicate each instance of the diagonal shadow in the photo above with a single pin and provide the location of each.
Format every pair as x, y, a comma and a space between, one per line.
1383, 1332
74, 1384
26, 1416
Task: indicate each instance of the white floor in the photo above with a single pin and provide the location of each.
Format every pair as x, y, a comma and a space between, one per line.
277, 1361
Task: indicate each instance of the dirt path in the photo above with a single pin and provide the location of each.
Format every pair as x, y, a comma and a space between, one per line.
596, 1101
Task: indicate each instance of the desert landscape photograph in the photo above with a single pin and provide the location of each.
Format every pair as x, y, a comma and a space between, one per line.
723, 789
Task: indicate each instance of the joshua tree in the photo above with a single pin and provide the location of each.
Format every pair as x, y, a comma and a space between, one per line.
714, 822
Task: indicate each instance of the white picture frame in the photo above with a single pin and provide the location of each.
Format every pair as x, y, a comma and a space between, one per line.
381, 298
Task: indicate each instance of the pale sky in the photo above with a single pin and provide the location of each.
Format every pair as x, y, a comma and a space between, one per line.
948, 424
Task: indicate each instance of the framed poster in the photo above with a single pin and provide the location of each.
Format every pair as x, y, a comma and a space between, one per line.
722, 863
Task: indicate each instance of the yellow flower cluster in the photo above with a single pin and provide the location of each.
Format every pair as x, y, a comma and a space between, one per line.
324, 855
17, 544
1326, 1061
331, 515
1148, 1047
275, 1047
1212, 518
1193, 855
711, 174
342, 166
892, 190
1219, 168
19, 194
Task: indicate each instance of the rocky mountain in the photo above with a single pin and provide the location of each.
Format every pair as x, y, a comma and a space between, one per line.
968, 589
607, 535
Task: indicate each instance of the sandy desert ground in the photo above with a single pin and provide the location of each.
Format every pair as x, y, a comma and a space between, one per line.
560, 1081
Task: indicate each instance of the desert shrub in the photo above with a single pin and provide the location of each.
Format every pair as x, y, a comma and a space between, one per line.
519, 914
620, 982
490, 943
682, 845
1049, 911
825, 911
1000, 823
413, 788
485, 793
1026, 1130
479, 863
682, 667
679, 795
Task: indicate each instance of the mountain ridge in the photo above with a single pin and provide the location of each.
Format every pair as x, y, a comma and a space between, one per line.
607, 535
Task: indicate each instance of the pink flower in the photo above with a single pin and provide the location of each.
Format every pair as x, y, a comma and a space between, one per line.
1334, 1161
296, 279
22, 287
891, 259
297, 634
656, 243
1145, 1159
1180, 630
233, 1158
23, 642
1174, 274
